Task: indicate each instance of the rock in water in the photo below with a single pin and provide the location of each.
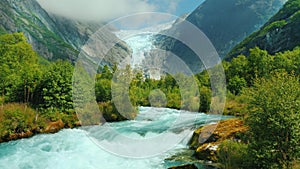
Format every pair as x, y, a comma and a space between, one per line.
187, 166
54, 127
205, 140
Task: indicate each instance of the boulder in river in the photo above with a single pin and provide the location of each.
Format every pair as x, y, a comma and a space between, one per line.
206, 139
187, 166
54, 127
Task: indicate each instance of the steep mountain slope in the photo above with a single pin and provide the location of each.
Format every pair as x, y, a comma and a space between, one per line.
225, 23
51, 36
228, 22
280, 33
28, 17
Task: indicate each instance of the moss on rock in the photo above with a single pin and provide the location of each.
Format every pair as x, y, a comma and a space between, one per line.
205, 140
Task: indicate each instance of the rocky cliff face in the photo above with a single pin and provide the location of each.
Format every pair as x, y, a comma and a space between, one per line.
28, 17
225, 23
280, 33
53, 37
228, 22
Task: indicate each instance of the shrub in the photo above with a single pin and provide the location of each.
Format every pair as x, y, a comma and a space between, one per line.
16, 118
232, 155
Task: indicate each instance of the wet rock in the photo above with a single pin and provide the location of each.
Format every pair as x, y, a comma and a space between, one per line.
54, 127
19, 135
206, 140
187, 166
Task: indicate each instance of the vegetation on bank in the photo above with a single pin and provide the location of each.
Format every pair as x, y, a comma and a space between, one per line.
34, 92
268, 87
273, 117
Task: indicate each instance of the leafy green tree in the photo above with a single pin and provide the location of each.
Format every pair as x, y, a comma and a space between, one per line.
205, 99
121, 93
238, 66
259, 63
103, 90
288, 61
174, 98
106, 73
236, 84
18, 67
274, 106
56, 87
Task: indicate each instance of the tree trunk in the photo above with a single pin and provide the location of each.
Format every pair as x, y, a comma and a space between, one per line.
24, 91
2, 106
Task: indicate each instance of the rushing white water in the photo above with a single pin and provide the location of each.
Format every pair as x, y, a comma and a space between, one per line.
73, 149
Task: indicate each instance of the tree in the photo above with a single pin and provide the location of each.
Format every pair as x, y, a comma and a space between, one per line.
259, 63
103, 90
19, 71
237, 67
121, 93
55, 88
236, 84
274, 118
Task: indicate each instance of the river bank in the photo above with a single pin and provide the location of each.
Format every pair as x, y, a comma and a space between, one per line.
204, 144
19, 120
200, 155
70, 144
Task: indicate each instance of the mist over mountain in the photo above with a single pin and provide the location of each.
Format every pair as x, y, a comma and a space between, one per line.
52, 36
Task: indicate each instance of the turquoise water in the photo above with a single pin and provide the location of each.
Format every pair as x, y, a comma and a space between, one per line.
90, 147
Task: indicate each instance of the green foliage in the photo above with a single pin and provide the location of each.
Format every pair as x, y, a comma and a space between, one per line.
157, 98
205, 99
242, 71
111, 114
273, 26
236, 84
177, 91
289, 8
274, 106
235, 105
103, 90
19, 72
55, 88
16, 119
24, 79
279, 34
233, 155
259, 63
121, 92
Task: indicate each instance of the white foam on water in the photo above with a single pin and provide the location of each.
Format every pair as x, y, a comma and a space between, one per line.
74, 149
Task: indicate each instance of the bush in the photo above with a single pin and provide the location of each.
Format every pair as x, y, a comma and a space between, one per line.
16, 118
232, 155
274, 106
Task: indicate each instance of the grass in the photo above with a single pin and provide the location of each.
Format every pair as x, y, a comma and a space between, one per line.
19, 120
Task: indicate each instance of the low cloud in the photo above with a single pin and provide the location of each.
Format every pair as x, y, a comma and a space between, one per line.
168, 6
97, 10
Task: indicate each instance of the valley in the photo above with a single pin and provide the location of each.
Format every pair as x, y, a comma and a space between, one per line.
69, 98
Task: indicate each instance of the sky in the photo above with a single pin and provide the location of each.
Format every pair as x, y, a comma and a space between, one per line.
106, 10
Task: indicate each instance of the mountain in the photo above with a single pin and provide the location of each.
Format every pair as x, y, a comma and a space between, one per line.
53, 37
280, 33
225, 23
